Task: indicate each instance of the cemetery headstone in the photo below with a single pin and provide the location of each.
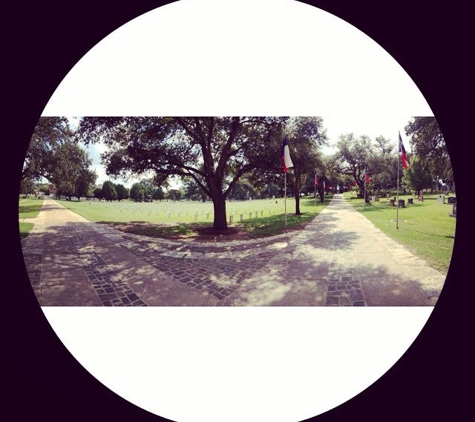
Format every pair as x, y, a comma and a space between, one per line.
454, 211
441, 199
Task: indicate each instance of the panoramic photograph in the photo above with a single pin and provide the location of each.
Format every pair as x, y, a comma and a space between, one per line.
236, 211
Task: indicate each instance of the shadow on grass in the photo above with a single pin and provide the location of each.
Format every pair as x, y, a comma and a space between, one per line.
381, 206
275, 224
176, 231
254, 228
26, 209
25, 229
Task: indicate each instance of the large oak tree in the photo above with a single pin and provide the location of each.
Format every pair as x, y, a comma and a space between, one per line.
214, 151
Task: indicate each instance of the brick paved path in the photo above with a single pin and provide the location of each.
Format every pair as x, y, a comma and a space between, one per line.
340, 259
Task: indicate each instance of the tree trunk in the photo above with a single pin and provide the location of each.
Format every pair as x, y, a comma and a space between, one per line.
297, 203
219, 205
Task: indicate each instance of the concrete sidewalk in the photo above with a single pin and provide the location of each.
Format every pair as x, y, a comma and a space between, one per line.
339, 259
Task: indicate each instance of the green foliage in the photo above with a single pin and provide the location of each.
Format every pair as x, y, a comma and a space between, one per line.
174, 194
193, 191
158, 194
418, 176
242, 191
137, 192
49, 134
122, 192
84, 183
354, 155
305, 135
98, 193
214, 151
27, 186
108, 191
428, 144
71, 169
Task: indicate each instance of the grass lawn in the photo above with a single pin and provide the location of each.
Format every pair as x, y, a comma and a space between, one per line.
25, 229
256, 218
425, 228
28, 208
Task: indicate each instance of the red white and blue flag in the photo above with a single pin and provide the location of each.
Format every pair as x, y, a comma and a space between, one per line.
402, 152
285, 155
366, 176
316, 179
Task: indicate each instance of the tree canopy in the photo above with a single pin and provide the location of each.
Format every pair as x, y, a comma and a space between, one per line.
53, 155
214, 151
354, 156
427, 142
49, 134
305, 135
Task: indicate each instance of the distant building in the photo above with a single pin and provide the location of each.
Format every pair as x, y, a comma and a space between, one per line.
52, 189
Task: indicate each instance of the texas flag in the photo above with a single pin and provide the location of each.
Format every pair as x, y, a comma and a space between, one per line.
402, 151
366, 176
316, 179
285, 155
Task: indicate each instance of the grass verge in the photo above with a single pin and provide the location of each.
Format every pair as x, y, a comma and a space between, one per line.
29, 208
172, 220
425, 228
25, 229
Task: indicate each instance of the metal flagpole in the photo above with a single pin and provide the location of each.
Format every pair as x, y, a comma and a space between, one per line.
315, 188
397, 191
285, 199
364, 186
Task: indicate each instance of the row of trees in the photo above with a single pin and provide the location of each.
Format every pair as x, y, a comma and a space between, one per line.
221, 158
140, 191
430, 166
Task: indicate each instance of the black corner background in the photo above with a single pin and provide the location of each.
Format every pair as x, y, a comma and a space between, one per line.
43, 41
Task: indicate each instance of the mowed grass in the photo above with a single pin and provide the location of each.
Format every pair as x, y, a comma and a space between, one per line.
258, 218
425, 228
28, 208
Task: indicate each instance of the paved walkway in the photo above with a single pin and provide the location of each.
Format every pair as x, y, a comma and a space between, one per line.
339, 259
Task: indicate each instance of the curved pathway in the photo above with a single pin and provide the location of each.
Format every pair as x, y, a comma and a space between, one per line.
339, 259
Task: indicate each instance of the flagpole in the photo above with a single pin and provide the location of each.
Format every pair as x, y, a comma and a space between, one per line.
315, 187
397, 191
364, 187
285, 199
